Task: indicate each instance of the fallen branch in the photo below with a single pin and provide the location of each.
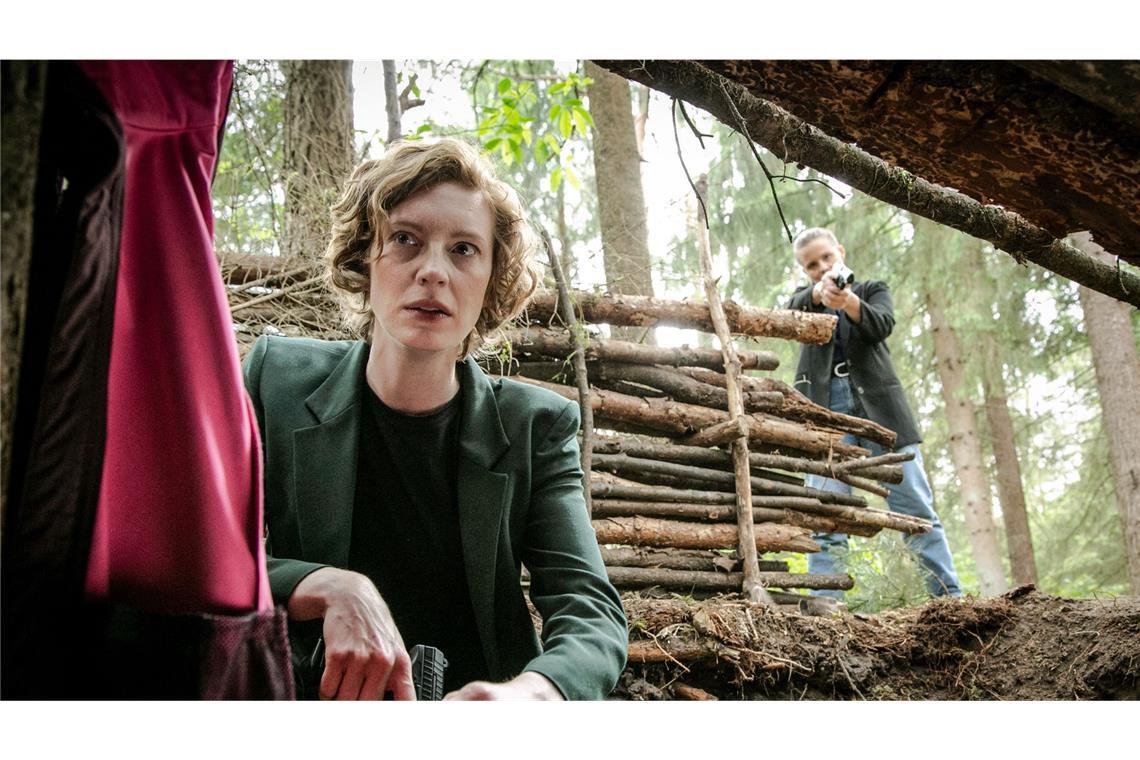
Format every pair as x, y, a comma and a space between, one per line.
681, 559
644, 311
649, 531
642, 577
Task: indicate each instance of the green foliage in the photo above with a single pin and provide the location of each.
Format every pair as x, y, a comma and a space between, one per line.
248, 190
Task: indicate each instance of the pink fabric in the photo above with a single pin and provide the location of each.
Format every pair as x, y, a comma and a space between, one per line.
178, 527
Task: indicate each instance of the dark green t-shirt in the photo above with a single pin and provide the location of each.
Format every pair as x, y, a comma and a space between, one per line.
405, 530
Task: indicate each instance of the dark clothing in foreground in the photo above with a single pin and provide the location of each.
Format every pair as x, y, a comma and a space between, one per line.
519, 501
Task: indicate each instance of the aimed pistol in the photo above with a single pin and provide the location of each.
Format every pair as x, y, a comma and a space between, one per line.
841, 275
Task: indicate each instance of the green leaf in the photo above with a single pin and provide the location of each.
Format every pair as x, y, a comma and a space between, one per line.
541, 151
556, 88
579, 122
572, 178
564, 125
585, 115
423, 128
527, 136
573, 102
489, 121
552, 141
493, 143
555, 178
416, 90
555, 110
504, 85
517, 149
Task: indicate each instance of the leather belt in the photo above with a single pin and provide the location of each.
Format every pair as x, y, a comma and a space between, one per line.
841, 370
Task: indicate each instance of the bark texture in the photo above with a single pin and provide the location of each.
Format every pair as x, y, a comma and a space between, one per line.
391, 101
23, 103
1113, 344
1019, 540
966, 453
319, 152
795, 140
560, 343
621, 201
642, 577
650, 531
647, 312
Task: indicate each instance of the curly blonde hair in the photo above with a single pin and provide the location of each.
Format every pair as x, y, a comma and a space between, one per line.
377, 187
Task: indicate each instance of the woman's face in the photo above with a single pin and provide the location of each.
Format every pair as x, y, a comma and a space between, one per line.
429, 283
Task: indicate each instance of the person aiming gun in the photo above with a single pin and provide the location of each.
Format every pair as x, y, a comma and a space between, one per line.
853, 374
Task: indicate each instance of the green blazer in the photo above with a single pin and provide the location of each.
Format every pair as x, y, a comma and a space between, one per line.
520, 501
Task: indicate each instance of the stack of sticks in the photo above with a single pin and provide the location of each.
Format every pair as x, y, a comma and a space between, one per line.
662, 490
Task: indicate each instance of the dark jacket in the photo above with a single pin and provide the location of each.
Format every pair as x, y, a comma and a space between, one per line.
873, 380
519, 496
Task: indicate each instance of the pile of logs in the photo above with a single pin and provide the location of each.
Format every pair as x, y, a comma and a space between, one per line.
661, 485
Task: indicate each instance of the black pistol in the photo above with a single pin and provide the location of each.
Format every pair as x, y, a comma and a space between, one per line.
428, 667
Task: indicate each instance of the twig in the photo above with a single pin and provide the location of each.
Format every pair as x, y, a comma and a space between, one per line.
752, 147
700, 135
677, 139
580, 376
277, 294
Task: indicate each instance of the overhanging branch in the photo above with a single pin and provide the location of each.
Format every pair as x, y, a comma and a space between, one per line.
797, 141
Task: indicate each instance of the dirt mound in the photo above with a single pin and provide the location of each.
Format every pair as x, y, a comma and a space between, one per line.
1023, 645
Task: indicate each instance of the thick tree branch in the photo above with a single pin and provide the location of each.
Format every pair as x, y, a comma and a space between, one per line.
795, 140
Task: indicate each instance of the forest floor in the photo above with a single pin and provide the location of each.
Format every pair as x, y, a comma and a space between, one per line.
1024, 645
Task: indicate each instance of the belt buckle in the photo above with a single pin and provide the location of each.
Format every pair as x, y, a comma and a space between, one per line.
841, 370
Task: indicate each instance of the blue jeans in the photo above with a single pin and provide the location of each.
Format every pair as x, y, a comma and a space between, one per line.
911, 497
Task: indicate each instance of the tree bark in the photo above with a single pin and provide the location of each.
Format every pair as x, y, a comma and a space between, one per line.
1113, 344
319, 150
1019, 541
391, 101
681, 559
721, 459
640, 311
644, 577
966, 452
560, 343
764, 509
632, 467
23, 103
621, 201
648, 531
683, 388
798, 142
799, 407
674, 418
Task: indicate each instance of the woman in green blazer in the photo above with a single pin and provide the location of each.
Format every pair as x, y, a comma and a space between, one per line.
404, 487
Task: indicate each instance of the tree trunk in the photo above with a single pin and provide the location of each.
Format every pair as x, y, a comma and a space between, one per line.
1019, 541
764, 509
621, 201
23, 103
1113, 344
319, 151
966, 453
648, 531
391, 101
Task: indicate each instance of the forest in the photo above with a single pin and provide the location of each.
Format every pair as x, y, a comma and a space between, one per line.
1023, 381
994, 201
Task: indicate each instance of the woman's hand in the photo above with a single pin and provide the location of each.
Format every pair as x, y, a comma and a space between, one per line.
528, 685
364, 653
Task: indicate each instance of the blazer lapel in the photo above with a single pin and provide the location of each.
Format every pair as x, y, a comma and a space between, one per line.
482, 494
325, 462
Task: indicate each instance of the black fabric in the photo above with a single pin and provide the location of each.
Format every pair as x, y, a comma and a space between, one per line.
60, 420
874, 383
405, 517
